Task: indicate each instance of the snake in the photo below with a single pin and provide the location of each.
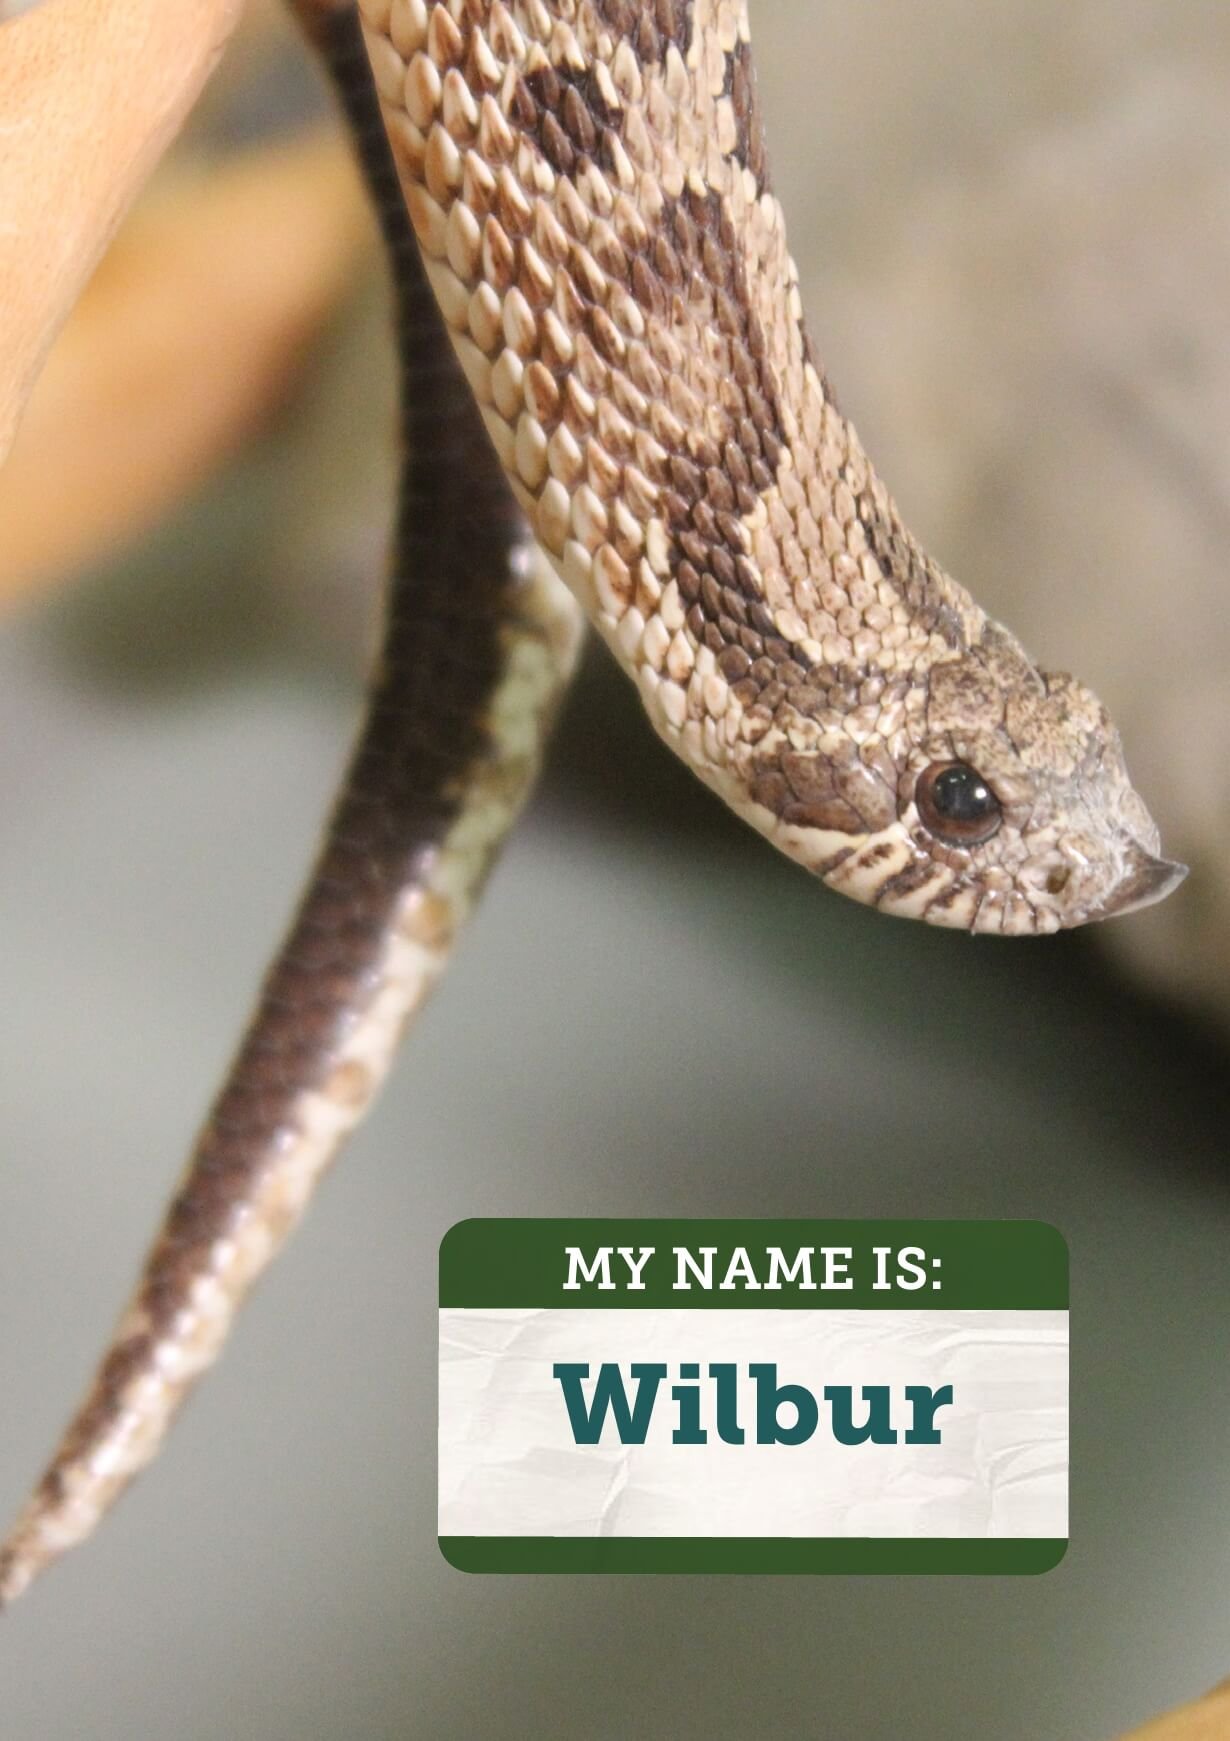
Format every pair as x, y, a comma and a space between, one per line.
611, 410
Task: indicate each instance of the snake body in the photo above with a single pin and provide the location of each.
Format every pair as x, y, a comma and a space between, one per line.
575, 193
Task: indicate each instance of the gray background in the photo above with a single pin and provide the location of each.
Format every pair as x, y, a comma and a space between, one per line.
650, 1015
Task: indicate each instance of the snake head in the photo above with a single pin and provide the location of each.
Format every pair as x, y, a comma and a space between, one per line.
1015, 813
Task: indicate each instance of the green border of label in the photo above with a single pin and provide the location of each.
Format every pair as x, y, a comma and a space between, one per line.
984, 1265
948, 1556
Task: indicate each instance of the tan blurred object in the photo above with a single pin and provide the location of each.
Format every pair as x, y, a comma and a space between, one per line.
1035, 345
1094, 428
185, 338
91, 93
1207, 1720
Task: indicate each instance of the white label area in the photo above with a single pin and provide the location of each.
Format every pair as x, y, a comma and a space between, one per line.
989, 1458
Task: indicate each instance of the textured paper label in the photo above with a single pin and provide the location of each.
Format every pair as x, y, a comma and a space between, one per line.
753, 1396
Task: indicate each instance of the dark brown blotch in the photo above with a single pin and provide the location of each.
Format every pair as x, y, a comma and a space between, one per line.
749, 128
810, 790
651, 26
573, 102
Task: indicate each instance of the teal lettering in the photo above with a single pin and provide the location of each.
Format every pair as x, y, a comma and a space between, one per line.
879, 1415
689, 1431
769, 1398
726, 1381
631, 1423
926, 1402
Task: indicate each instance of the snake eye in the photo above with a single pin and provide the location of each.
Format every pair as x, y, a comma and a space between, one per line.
956, 804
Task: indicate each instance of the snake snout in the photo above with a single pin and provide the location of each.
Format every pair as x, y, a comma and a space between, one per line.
1146, 879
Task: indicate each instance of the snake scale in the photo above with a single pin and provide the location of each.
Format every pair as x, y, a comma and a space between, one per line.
630, 424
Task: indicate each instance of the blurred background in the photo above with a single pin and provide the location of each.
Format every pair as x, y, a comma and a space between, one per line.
1013, 230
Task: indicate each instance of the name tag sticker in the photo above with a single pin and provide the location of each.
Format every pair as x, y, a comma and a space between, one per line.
753, 1396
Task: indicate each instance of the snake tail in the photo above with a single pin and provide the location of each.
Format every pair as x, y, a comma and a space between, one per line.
479, 644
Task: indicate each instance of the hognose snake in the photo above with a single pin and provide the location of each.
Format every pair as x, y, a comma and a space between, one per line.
631, 406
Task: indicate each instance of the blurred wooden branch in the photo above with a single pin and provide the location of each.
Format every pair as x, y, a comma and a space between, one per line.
184, 340
91, 94
192, 328
1207, 1720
